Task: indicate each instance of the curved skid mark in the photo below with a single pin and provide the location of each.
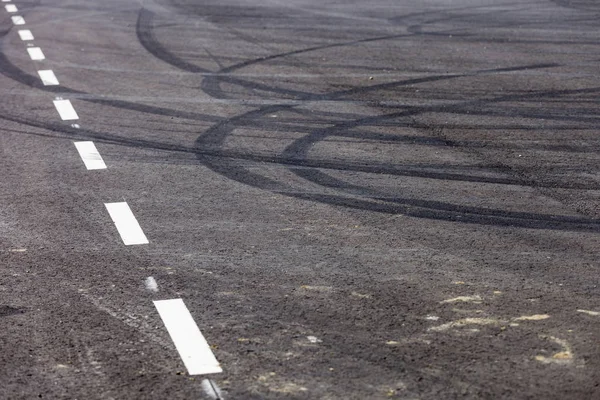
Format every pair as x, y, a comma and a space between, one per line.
295, 155
8, 69
145, 33
221, 161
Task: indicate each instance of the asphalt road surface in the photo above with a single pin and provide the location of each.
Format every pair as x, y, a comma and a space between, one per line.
299, 199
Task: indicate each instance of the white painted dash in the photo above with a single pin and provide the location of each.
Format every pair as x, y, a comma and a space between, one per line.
90, 155
18, 20
11, 8
151, 284
5, 1
189, 341
126, 224
48, 78
25, 34
35, 53
65, 110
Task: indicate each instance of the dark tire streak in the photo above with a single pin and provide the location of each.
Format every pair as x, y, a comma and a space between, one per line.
295, 156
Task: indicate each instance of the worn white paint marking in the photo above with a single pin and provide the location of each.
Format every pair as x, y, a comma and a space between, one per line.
11, 8
151, 284
211, 389
314, 339
48, 78
464, 322
191, 345
65, 110
588, 312
25, 34
5, 1
463, 299
562, 357
536, 317
18, 20
36, 53
90, 155
126, 224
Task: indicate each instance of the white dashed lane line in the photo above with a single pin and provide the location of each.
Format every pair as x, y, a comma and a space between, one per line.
36, 53
48, 78
126, 224
90, 155
189, 341
25, 34
18, 20
65, 110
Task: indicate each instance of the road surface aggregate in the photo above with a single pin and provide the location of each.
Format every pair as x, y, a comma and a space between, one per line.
384, 199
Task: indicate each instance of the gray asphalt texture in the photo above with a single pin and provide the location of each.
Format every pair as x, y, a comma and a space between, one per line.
356, 200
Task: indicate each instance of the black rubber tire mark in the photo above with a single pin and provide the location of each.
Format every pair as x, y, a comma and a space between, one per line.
211, 85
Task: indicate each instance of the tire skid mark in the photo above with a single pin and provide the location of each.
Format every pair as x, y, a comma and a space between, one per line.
409, 207
8, 69
299, 149
208, 153
427, 209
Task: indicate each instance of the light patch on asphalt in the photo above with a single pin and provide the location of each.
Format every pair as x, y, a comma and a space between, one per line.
392, 392
137, 322
563, 357
317, 288
592, 313
465, 322
536, 317
432, 317
361, 295
11, 8
487, 321
211, 390
126, 223
314, 339
151, 284
462, 311
36, 53
48, 78
189, 341
90, 155
25, 34
463, 299
408, 342
18, 250
65, 110
275, 384
18, 20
